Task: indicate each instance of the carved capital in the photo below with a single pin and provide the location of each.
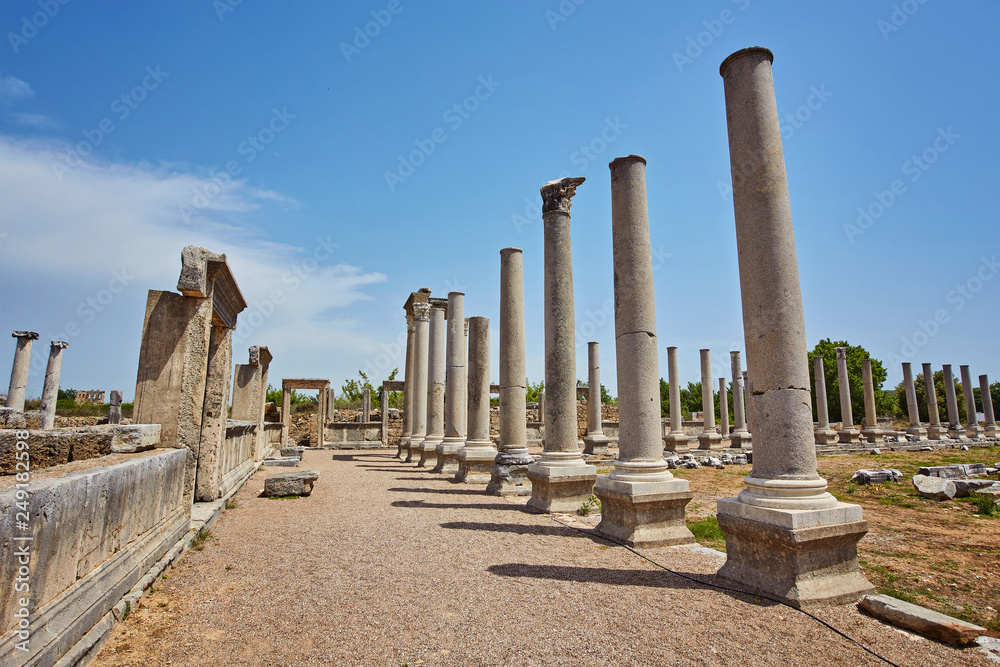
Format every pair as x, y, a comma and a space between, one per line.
422, 312
557, 195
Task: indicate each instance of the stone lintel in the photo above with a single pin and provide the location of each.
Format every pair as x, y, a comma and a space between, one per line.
206, 274
304, 383
420, 296
393, 385
436, 302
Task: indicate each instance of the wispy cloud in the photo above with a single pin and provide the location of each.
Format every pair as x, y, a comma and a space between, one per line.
12, 88
37, 121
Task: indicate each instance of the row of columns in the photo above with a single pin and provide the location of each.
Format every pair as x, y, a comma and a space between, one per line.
17, 391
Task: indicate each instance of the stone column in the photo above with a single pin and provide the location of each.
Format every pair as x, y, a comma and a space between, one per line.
935, 431
286, 414
463, 429
404, 438
954, 425
676, 440
50, 390
115, 407
990, 430
454, 395
421, 316
541, 407
848, 434
709, 439
435, 386
383, 401
321, 397
595, 442
786, 536
824, 435
331, 405
751, 417
973, 430
870, 431
475, 459
560, 480
915, 429
19, 373
366, 405
741, 434
723, 411
642, 504
509, 475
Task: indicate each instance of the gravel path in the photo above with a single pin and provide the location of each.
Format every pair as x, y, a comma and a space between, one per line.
385, 564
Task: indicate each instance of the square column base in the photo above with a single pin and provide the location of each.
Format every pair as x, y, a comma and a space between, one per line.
596, 445
937, 432
710, 441
871, 435
974, 432
919, 433
805, 558
413, 449
825, 436
991, 431
644, 514
428, 454
678, 443
475, 466
509, 475
849, 436
447, 461
741, 439
956, 432
560, 488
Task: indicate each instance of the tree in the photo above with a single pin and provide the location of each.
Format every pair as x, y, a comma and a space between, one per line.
66, 395
531, 391
352, 391
855, 354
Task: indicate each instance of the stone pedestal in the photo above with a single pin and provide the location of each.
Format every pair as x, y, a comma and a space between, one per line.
951, 399
847, 435
915, 428
595, 443
675, 441
421, 317
435, 385
990, 429
708, 439
935, 431
740, 436
50, 390
973, 430
560, 481
475, 459
786, 536
455, 389
870, 432
509, 476
16, 394
823, 434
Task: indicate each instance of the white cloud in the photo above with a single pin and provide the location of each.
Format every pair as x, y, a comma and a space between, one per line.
36, 121
12, 88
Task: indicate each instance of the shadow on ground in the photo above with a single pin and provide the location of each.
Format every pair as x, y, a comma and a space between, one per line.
456, 506
520, 529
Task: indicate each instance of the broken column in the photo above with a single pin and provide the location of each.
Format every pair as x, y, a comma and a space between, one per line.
50, 389
935, 431
708, 438
509, 475
115, 407
915, 428
455, 391
560, 480
19, 372
848, 435
595, 442
676, 440
973, 430
421, 316
824, 435
741, 434
954, 425
990, 429
870, 431
642, 504
786, 536
404, 438
475, 459
435, 385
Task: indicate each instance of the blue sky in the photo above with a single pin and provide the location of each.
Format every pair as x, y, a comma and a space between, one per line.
334, 167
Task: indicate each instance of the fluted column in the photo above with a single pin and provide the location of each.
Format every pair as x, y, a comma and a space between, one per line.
823, 435
972, 428
404, 439
847, 434
50, 390
870, 431
19, 372
708, 439
935, 431
475, 459
435, 385
676, 440
421, 337
741, 434
595, 442
915, 428
951, 399
560, 480
990, 429
454, 396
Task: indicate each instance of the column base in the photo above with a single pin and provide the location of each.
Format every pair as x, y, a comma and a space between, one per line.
825, 436
596, 445
475, 466
561, 488
741, 439
974, 432
937, 432
428, 453
413, 449
871, 435
805, 558
403, 444
678, 443
447, 452
710, 441
644, 514
991, 431
918, 432
509, 475
849, 436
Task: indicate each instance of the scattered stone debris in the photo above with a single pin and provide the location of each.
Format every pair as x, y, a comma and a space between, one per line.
673, 461
740, 460
955, 471
285, 461
964, 448
293, 451
928, 448
865, 476
935, 488
875, 450
921, 620
291, 483
966, 487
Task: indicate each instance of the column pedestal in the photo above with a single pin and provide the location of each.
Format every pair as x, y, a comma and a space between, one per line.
560, 488
644, 514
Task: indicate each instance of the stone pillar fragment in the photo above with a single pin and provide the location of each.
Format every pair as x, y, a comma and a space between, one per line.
286, 414
455, 390
366, 405
741, 434
475, 459
642, 504
723, 410
560, 480
50, 389
786, 536
847, 434
510, 469
990, 430
115, 407
708, 439
870, 431
824, 435
935, 431
595, 442
19, 372
321, 397
435, 385
421, 316
676, 440
383, 401
973, 430
954, 425
915, 428
404, 438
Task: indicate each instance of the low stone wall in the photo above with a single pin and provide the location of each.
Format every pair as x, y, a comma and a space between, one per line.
353, 435
236, 458
93, 534
63, 445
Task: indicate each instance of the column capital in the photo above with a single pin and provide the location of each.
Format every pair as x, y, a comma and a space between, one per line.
743, 53
59, 344
841, 352
421, 312
24, 334
557, 195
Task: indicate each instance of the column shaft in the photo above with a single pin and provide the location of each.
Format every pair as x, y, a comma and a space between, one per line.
19, 372
972, 428
871, 419
50, 390
823, 435
847, 434
676, 440
988, 418
404, 438
421, 338
913, 411
723, 409
476, 458
935, 431
708, 439
951, 399
455, 391
595, 442
435, 386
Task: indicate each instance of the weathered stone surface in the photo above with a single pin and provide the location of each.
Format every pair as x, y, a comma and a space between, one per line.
920, 620
865, 476
134, 437
11, 418
966, 487
53, 447
293, 451
935, 488
283, 461
955, 471
291, 483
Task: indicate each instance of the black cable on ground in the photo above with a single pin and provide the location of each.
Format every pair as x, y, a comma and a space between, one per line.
718, 586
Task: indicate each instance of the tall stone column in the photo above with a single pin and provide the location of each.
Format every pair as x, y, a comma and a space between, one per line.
19, 373
847, 434
454, 395
751, 417
560, 480
786, 536
642, 504
915, 429
708, 439
541, 407
676, 440
475, 459
435, 385
286, 414
935, 431
741, 434
463, 429
404, 438
973, 430
366, 405
115, 407
824, 435
723, 410
870, 431
421, 337
595, 442
509, 476
990, 430
50, 390
322, 398
954, 425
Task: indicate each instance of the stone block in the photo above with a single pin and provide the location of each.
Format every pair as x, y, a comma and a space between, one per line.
509, 476
966, 487
935, 488
955, 471
644, 514
293, 451
291, 483
134, 438
921, 620
560, 488
283, 461
865, 476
